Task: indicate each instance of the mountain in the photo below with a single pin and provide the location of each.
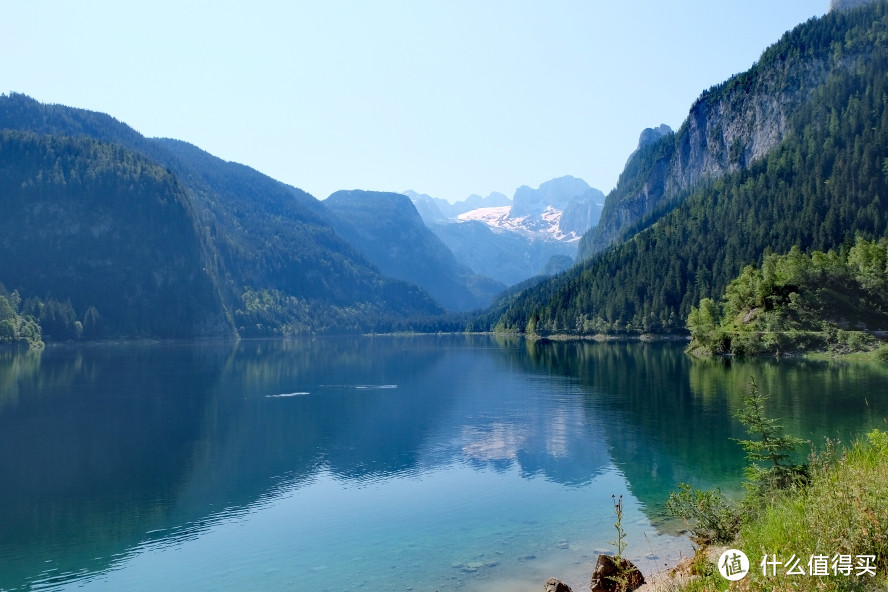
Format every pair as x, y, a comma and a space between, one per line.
270, 250
555, 194
729, 127
539, 213
435, 210
557, 264
648, 136
513, 240
819, 187
106, 230
475, 201
508, 257
431, 209
389, 231
581, 213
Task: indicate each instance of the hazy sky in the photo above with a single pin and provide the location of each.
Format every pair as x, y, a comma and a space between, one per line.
447, 98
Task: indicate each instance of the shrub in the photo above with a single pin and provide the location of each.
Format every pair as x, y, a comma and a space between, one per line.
715, 518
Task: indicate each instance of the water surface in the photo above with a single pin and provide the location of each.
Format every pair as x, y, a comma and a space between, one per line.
424, 463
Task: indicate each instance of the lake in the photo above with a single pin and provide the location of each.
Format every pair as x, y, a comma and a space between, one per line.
376, 463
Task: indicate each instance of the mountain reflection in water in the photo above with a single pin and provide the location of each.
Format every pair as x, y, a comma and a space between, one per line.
111, 455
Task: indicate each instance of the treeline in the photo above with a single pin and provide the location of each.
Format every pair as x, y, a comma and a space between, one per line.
30, 322
17, 329
825, 184
272, 313
795, 301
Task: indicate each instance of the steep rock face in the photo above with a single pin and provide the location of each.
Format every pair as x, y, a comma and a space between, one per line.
652, 134
649, 136
556, 193
729, 127
433, 210
582, 212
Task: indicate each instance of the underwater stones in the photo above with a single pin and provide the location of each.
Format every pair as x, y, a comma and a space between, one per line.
473, 566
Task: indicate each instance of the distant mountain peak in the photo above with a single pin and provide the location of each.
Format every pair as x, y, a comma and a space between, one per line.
652, 134
556, 193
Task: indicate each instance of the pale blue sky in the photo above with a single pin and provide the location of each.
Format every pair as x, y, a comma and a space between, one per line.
447, 98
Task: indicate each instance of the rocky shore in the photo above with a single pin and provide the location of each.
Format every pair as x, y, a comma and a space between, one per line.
608, 577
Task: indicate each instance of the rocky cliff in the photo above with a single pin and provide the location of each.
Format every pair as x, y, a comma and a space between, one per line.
729, 127
556, 193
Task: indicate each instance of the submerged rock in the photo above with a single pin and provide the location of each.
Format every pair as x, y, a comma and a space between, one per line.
556, 585
612, 575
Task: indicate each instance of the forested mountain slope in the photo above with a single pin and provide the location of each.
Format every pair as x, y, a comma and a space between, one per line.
820, 187
279, 242
275, 261
731, 125
388, 230
108, 233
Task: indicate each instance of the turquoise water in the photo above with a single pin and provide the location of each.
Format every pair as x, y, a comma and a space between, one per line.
411, 463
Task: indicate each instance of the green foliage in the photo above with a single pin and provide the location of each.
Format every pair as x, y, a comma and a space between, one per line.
878, 440
625, 575
771, 446
822, 186
273, 313
799, 302
270, 236
715, 518
16, 328
843, 510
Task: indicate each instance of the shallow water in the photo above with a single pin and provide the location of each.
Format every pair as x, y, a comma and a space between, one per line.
423, 463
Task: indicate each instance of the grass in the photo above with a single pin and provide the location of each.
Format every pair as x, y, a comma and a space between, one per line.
843, 510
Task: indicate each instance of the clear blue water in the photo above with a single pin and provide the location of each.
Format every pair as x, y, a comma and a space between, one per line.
387, 463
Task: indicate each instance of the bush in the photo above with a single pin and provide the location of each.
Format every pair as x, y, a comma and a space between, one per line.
715, 518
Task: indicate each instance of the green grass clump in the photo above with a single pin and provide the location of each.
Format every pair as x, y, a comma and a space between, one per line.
842, 510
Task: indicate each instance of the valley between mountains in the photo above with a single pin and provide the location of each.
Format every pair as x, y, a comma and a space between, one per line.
107, 234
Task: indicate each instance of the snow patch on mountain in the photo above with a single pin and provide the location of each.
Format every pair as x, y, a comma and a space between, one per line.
544, 226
